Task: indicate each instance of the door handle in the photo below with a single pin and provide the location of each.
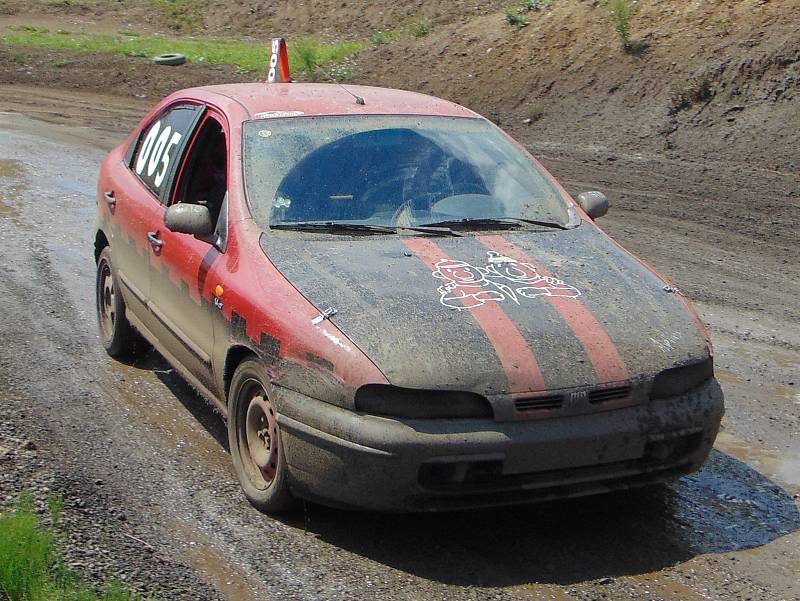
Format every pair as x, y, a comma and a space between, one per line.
154, 241
110, 200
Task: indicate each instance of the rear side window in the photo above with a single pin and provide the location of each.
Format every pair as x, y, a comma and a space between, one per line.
161, 145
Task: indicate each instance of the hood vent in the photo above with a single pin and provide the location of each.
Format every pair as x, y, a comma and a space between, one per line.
605, 395
553, 401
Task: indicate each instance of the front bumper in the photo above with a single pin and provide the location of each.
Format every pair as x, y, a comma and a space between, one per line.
343, 458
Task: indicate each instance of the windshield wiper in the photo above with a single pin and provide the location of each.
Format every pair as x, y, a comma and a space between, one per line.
439, 231
552, 224
481, 223
492, 223
334, 227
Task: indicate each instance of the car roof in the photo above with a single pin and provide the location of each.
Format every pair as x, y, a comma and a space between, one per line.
333, 99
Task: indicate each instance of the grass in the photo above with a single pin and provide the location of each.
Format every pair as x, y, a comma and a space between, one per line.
306, 55
622, 11
181, 15
515, 18
32, 563
420, 29
379, 38
534, 4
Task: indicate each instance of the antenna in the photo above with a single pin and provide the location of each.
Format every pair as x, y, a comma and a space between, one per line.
358, 99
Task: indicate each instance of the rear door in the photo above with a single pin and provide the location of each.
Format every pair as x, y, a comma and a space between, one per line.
139, 189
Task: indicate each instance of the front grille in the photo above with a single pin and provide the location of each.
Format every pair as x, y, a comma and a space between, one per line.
604, 395
553, 401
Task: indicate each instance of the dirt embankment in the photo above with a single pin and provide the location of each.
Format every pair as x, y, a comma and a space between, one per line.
712, 79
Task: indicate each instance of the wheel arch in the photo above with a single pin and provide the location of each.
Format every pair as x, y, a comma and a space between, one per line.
100, 242
233, 358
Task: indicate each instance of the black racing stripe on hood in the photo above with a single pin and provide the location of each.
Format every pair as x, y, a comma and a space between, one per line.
387, 305
561, 357
650, 326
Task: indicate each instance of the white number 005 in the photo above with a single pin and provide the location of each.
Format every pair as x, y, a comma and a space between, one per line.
156, 149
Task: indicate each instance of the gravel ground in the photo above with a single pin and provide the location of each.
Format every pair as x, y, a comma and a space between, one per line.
100, 544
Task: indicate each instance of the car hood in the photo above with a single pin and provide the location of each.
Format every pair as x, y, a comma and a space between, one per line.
504, 313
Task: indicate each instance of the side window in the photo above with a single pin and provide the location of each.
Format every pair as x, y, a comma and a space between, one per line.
161, 145
203, 178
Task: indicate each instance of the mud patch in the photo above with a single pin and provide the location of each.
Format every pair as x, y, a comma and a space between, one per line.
11, 168
10, 172
6, 211
214, 567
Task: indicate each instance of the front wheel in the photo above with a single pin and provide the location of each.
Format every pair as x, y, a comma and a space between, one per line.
255, 440
116, 333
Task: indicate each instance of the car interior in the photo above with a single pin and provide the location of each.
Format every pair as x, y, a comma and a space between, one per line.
204, 179
376, 175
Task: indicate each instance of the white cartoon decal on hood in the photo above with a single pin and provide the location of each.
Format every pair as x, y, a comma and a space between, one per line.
467, 286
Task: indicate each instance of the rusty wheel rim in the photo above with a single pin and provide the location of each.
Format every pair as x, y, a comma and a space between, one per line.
105, 301
261, 442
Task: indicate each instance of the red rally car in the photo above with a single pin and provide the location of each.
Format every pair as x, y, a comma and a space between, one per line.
393, 303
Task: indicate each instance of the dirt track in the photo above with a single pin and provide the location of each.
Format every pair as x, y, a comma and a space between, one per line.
730, 532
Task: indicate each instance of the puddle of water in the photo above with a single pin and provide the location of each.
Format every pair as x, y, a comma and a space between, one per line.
783, 466
148, 403
218, 572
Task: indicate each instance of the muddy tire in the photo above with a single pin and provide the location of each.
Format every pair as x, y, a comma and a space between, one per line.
255, 440
117, 335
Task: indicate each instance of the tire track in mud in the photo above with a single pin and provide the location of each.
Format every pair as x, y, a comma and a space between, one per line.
161, 451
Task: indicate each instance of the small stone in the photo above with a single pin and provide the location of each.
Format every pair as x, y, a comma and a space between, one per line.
605, 580
29, 445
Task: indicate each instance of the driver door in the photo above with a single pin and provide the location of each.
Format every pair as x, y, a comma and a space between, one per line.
182, 278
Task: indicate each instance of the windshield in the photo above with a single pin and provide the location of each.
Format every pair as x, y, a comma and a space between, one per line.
394, 171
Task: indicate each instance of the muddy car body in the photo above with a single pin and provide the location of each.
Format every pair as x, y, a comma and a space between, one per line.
401, 364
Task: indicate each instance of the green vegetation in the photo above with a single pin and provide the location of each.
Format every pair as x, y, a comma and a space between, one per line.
379, 38
622, 12
515, 18
181, 15
535, 4
420, 29
32, 564
306, 55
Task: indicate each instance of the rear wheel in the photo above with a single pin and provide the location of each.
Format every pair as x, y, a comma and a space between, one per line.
116, 333
255, 440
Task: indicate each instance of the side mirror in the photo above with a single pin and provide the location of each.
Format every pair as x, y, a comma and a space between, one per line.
594, 203
189, 219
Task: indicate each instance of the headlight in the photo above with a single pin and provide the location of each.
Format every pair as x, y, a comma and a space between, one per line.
680, 380
392, 401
